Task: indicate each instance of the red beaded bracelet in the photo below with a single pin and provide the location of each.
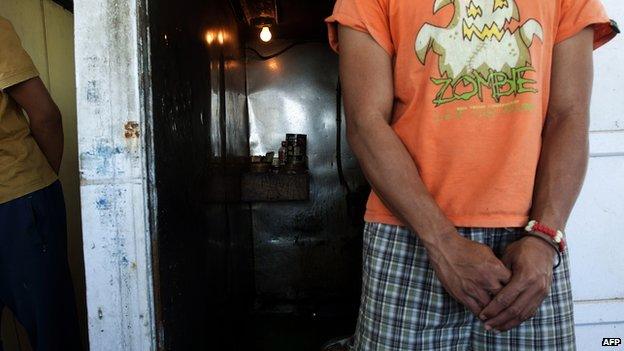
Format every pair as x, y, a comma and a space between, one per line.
556, 235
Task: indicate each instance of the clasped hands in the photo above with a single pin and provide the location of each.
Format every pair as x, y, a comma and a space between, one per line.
503, 292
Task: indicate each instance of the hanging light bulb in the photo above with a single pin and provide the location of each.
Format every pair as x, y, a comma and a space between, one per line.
265, 34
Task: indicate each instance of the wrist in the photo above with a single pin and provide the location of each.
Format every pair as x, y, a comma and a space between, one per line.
542, 243
438, 246
439, 238
551, 218
433, 230
553, 236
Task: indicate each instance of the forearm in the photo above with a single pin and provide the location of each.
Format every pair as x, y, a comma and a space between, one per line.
368, 91
562, 168
49, 137
563, 160
46, 123
394, 177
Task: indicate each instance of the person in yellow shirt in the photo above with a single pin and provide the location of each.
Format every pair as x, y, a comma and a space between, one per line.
35, 281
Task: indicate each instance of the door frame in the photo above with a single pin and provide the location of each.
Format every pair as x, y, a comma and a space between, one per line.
116, 173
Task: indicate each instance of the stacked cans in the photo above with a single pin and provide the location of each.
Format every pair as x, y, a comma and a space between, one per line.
296, 153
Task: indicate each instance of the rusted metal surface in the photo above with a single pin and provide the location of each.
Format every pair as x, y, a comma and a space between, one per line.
132, 130
113, 175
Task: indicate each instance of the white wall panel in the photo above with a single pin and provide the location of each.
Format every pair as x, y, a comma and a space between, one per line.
597, 223
595, 232
608, 97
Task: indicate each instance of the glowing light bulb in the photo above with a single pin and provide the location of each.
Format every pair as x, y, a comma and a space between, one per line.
210, 38
265, 34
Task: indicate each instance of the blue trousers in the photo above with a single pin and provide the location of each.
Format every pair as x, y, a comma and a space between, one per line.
35, 281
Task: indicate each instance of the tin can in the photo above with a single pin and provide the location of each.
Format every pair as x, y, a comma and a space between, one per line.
282, 153
275, 165
291, 142
301, 149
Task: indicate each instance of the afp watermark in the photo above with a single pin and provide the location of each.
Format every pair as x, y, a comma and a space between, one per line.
611, 341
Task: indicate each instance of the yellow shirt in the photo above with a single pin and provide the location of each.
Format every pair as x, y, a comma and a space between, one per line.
23, 167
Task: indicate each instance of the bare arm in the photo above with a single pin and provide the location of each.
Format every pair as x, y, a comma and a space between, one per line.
560, 175
45, 118
565, 148
468, 270
368, 95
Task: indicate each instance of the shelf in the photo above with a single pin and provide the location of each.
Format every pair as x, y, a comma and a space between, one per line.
271, 187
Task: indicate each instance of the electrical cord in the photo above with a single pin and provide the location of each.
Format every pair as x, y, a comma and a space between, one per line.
268, 57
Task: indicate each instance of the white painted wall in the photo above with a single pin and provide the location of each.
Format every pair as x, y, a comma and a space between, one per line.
113, 175
597, 223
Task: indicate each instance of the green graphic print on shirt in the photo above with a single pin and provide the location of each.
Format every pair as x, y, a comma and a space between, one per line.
478, 50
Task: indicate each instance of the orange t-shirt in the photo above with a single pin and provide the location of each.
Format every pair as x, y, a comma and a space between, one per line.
471, 89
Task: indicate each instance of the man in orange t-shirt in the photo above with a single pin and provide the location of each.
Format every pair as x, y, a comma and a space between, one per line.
470, 119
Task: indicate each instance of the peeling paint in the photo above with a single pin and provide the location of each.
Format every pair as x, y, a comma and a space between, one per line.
93, 92
103, 204
101, 158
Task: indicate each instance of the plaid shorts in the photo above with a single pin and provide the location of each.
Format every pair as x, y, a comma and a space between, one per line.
405, 308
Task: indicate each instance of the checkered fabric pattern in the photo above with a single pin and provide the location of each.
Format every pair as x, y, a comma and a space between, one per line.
405, 308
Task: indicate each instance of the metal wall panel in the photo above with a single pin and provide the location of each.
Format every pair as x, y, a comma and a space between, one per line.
304, 250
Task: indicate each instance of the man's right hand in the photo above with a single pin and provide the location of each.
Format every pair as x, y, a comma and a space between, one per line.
469, 271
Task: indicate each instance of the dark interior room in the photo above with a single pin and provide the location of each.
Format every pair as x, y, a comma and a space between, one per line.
250, 259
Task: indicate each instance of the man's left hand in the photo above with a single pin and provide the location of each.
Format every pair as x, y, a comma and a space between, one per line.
531, 263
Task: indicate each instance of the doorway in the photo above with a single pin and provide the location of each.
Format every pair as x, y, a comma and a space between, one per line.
236, 273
